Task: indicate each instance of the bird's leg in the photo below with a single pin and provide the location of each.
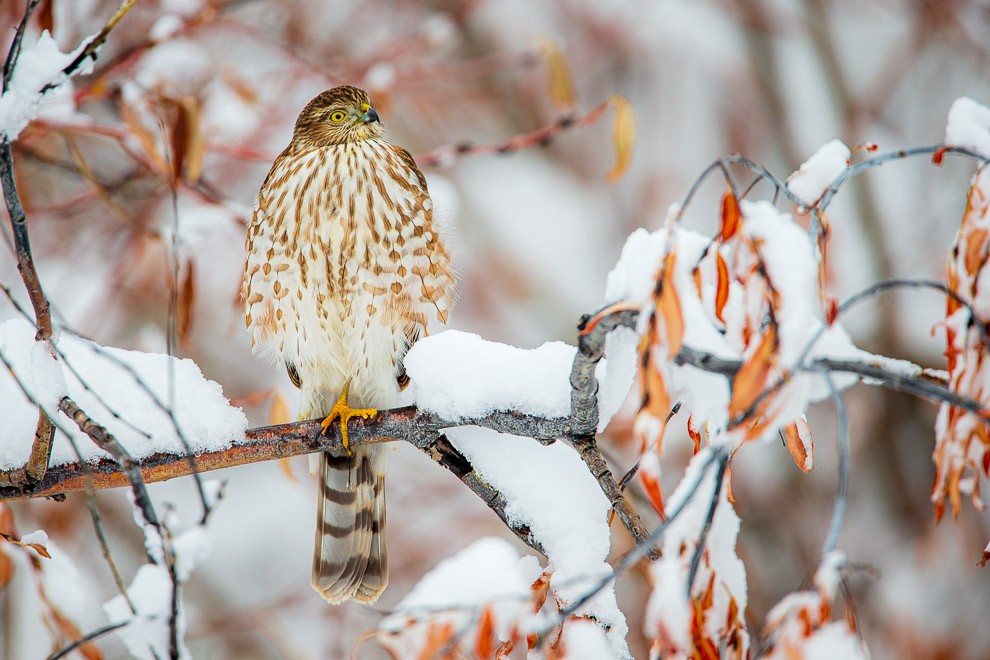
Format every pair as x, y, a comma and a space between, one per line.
342, 410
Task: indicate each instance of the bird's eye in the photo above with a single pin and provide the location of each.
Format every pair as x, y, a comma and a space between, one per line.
338, 116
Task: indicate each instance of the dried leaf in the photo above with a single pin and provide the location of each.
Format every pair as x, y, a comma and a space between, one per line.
801, 444
653, 492
670, 309
731, 215
37, 547
722, 285
6, 570
938, 156
485, 645
46, 19
561, 83
188, 147
540, 589
439, 637
144, 136
185, 304
752, 376
623, 136
986, 557
976, 250
6, 520
694, 433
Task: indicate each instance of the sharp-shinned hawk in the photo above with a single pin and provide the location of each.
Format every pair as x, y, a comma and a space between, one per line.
344, 270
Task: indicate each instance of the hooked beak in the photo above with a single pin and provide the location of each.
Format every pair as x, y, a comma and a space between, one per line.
370, 115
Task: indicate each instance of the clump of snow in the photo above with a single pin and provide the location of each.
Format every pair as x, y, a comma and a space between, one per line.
207, 420
48, 378
488, 573
39, 65
550, 490
583, 640
817, 173
190, 549
39, 536
458, 374
668, 612
968, 126
617, 376
147, 635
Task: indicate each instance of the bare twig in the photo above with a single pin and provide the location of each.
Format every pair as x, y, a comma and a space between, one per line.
703, 536
841, 496
541, 136
87, 639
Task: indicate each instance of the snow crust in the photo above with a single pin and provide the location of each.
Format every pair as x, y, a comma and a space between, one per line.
817, 173
207, 420
968, 126
39, 65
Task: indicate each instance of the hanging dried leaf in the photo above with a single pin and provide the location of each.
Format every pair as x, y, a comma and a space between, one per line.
540, 588
188, 147
439, 642
752, 376
649, 476
670, 309
561, 83
623, 136
722, 285
185, 303
731, 215
6, 570
484, 646
801, 444
37, 547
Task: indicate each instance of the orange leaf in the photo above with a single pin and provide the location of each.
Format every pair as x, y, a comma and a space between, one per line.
37, 547
561, 84
653, 492
938, 156
694, 433
801, 444
279, 412
187, 141
439, 636
670, 308
976, 250
722, 287
623, 137
752, 376
186, 302
656, 401
485, 645
6, 570
731, 215
540, 589
6, 520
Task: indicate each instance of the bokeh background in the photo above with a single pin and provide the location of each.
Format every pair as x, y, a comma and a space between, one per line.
534, 234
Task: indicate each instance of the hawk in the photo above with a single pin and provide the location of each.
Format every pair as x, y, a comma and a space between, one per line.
344, 271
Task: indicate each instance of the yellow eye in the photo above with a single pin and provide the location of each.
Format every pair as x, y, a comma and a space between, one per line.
338, 116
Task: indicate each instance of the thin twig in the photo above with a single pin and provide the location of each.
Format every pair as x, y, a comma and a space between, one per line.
89, 637
703, 536
841, 496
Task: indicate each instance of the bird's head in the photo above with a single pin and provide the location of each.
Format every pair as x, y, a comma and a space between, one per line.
337, 116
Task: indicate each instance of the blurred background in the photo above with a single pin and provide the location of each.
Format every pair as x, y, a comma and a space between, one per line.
534, 234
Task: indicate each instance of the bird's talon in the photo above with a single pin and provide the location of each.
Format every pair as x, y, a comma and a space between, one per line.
344, 412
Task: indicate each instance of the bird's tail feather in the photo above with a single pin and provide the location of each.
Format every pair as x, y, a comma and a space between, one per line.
350, 561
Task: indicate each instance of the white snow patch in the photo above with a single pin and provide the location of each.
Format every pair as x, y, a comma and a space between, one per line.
207, 420
549, 489
39, 536
190, 549
38, 66
583, 640
47, 377
146, 636
458, 374
489, 572
618, 374
817, 173
968, 126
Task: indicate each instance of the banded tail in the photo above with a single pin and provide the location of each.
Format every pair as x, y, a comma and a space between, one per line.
350, 561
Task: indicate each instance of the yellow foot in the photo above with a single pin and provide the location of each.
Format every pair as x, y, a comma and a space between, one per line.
342, 410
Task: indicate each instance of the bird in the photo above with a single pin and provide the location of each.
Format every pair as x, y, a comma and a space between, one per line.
345, 270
